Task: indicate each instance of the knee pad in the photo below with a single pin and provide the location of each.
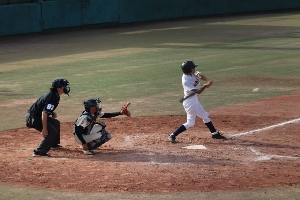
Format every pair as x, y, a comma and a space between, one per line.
105, 135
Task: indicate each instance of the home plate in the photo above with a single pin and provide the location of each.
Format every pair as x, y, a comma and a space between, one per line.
195, 147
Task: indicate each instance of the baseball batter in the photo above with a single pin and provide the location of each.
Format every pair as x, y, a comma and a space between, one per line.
192, 88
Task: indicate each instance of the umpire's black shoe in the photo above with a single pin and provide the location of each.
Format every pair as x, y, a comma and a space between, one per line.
218, 136
37, 153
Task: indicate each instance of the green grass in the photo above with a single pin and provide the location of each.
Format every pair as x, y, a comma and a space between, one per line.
21, 193
239, 54
152, 81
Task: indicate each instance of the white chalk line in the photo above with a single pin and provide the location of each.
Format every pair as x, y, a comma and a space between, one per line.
267, 128
262, 156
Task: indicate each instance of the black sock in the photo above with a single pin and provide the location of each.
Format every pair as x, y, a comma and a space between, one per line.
211, 127
179, 130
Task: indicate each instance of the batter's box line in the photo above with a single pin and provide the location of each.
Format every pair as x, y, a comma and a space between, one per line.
267, 128
262, 156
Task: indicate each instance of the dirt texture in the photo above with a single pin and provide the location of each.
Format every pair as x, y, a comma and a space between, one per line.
140, 159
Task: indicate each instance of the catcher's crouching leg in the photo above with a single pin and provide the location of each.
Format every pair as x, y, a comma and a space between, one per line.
105, 137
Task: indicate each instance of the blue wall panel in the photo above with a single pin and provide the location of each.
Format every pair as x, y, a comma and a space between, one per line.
61, 14
19, 19
99, 11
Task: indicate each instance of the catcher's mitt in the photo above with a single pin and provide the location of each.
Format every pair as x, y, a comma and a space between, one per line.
125, 111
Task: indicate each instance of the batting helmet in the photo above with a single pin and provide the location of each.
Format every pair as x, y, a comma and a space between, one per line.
92, 103
59, 83
187, 66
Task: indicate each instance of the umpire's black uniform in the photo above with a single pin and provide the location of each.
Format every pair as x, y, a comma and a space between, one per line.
33, 119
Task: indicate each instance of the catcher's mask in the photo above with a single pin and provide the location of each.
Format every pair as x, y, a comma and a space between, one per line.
187, 66
92, 103
59, 83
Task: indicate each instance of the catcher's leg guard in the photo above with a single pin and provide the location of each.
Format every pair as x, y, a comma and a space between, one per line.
105, 137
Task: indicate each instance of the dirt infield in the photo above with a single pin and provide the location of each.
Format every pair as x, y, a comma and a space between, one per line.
140, 159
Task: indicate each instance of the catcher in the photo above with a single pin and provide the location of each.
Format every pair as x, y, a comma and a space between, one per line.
91, 133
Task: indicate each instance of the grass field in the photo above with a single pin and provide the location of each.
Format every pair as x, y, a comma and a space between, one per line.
291, 193
141, 64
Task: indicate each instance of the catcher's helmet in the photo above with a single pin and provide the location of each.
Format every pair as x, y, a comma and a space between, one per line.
92, 103
59, 83
187, 66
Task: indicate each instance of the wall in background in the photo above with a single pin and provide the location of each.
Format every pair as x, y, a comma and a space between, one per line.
29, 16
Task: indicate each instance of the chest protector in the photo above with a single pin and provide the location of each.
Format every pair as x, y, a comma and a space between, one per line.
87, 121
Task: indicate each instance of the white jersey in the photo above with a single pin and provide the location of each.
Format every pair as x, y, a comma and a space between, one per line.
190, 82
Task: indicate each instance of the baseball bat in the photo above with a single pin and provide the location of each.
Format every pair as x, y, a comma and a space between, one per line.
192, 94
184, 98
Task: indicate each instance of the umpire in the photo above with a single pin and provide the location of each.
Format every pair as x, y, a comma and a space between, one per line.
41, 116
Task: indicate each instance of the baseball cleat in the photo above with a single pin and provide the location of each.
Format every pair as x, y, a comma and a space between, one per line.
172, 138
218, 136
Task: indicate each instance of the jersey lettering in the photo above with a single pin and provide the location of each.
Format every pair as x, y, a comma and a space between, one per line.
196, 83
50, 107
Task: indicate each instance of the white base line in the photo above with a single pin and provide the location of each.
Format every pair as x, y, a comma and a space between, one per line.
267, 128
262, 156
